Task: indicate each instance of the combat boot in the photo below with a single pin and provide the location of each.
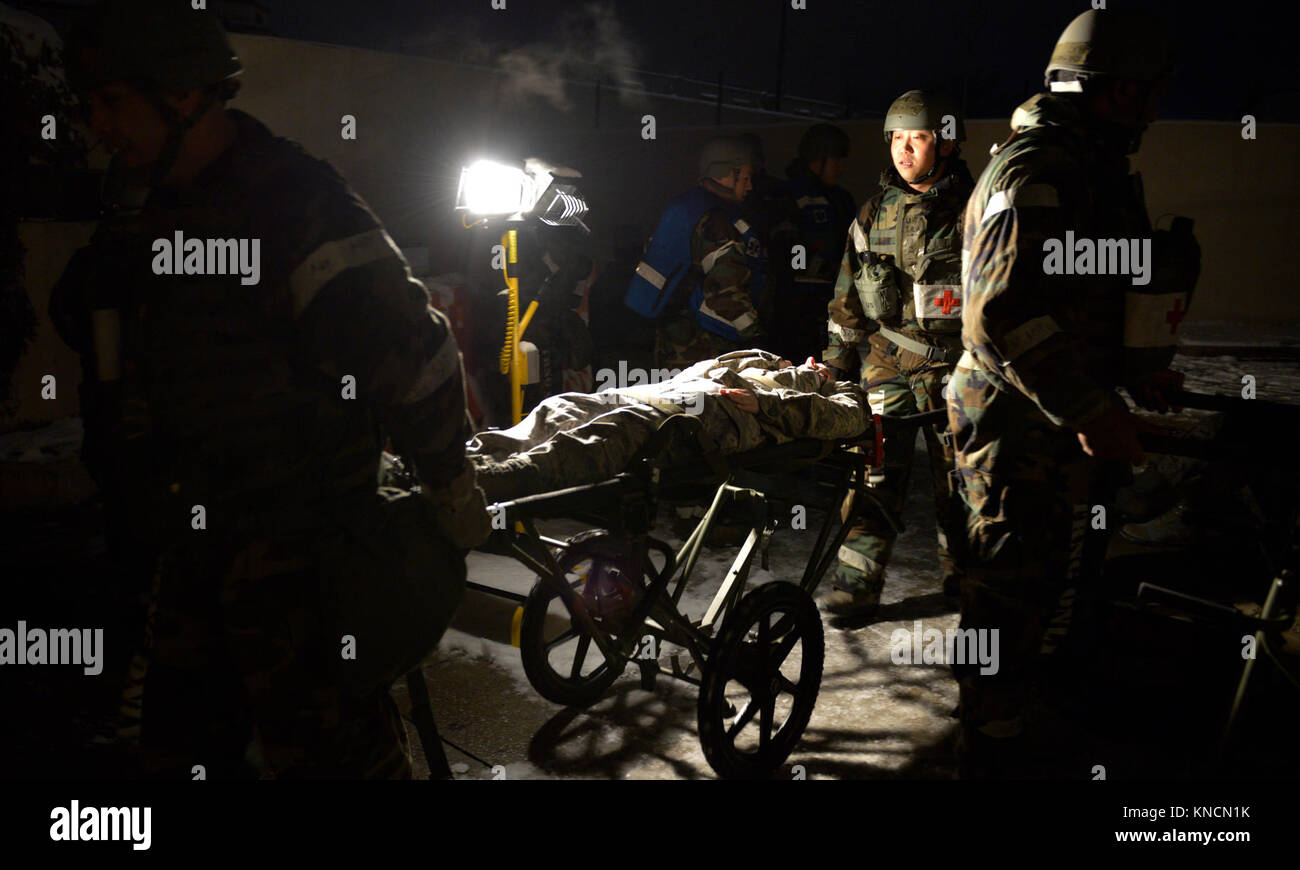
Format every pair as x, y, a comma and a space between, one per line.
853, 599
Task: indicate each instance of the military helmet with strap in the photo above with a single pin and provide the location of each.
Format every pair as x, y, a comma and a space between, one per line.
1108, 43
821, 141
157, 47
723, 155
922, 110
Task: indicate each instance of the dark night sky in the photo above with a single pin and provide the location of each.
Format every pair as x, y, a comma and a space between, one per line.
1233, 57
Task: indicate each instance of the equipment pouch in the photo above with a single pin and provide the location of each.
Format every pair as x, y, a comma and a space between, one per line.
391, 583
877, 288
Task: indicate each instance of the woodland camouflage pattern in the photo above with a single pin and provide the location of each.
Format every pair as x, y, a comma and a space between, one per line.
916, 237
1044, 354
680, 341
901, 238
577, 438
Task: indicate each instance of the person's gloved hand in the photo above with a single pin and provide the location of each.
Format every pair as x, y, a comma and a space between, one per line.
462, 513
1152, 393
1112, 436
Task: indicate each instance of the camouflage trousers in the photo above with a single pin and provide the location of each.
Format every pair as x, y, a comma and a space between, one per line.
681, 342
1035, 541
235, 676
899, 382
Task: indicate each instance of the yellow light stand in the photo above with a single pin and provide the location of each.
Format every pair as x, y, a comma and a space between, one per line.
512, 358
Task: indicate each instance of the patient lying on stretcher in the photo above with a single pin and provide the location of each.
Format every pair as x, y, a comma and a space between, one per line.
743, 400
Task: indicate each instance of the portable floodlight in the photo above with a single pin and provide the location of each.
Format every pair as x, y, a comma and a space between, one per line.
561, 206
492, 189
489, 189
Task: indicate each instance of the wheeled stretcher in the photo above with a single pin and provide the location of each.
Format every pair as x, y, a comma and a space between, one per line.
610, 597
1267, 553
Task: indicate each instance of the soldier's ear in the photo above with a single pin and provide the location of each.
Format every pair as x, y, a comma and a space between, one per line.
945, 148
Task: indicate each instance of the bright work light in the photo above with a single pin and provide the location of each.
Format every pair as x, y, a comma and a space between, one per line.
490, 188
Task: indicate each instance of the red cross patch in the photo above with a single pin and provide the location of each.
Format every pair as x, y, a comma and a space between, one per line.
948, 302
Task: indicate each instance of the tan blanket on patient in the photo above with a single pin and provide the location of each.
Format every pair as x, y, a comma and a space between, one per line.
578, 438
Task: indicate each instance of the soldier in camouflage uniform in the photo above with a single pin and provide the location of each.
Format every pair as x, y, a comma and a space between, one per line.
896, 317
722, 264
264, 402
823, 212
1042, 435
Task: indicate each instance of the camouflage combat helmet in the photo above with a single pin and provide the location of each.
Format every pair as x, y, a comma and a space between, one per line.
167, 44
821, 141
1114, 44
156, 46
724, 154
919, 110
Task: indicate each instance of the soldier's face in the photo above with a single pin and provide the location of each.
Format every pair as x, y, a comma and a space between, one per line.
740, 182
831, 170
128, 123
744, 181
1135, 102
915, 151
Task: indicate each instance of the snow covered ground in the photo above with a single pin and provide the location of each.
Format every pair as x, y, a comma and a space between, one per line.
1276, 380
873, 718
638, 734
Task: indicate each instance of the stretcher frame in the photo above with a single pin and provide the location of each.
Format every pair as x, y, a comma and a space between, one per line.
740, 638
1282, 597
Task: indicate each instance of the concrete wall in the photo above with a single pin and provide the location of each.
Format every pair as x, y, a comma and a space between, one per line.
418, 120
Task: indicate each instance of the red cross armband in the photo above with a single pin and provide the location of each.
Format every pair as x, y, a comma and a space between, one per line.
937, 305
1154, 309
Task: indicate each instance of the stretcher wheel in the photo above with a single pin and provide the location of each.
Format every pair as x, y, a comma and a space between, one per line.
561, 660
760, 684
